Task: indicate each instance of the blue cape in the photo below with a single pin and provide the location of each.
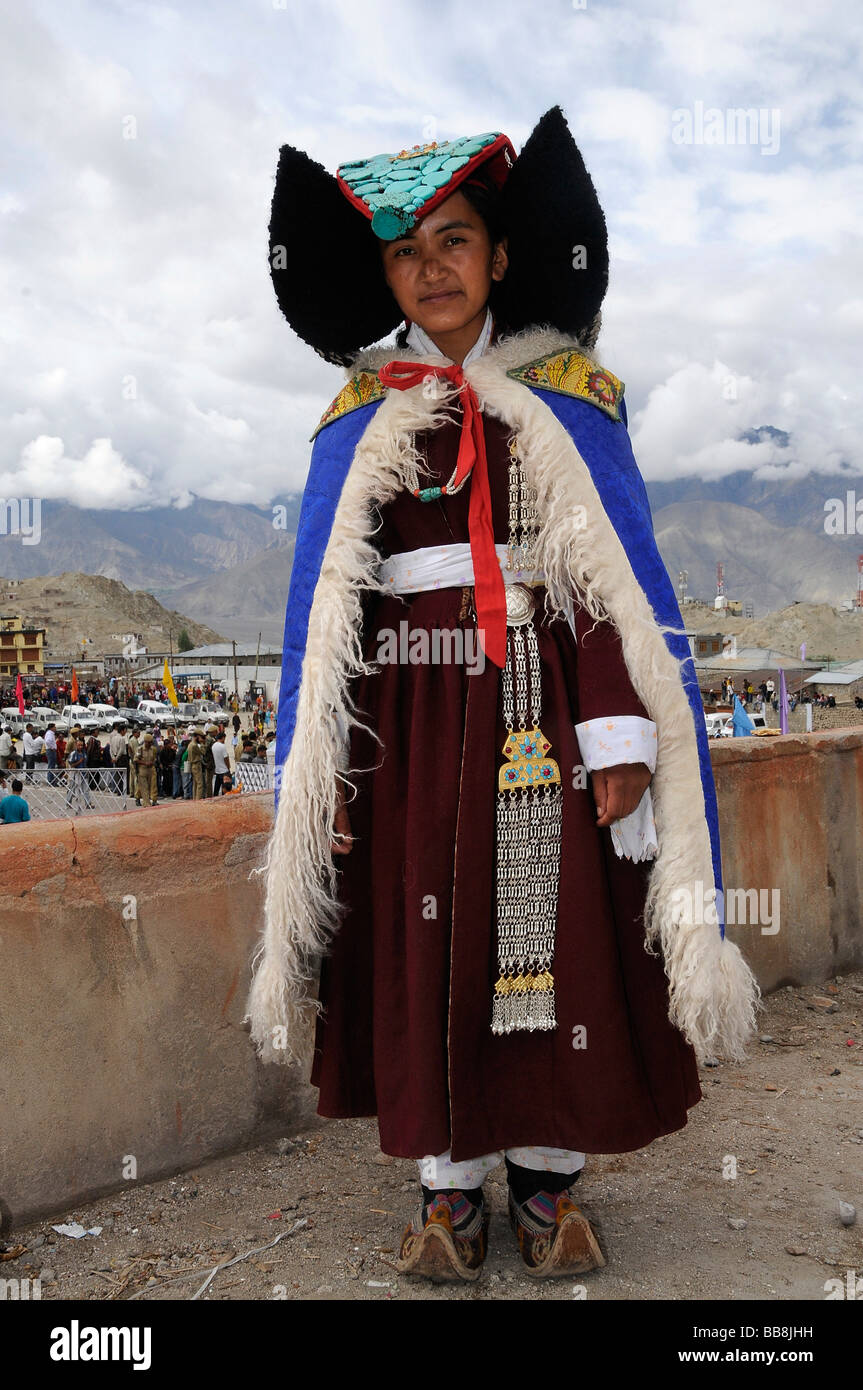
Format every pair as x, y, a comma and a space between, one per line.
605, 446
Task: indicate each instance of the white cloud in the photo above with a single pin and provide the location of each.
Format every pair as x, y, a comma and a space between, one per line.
222, 426
101, 478
137, 302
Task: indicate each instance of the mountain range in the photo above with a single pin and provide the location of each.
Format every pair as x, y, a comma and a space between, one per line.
227, 565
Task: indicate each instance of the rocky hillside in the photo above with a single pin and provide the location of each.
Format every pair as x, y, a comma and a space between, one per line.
88, 614
825, 630
243, 601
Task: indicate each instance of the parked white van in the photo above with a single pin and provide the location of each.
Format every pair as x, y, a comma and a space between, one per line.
41, 716
107, 715
208, 710
15, 721
154, 709
716, 722
81, 715
759, 726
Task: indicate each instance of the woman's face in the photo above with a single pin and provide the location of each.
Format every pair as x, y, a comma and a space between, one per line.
441, 271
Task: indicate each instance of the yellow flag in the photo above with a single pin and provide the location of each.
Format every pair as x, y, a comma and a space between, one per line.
169, 685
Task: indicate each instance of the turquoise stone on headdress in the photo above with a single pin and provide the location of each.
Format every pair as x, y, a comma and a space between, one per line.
394, 189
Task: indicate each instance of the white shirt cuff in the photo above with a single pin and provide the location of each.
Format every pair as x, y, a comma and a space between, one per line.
620, 738
624, 738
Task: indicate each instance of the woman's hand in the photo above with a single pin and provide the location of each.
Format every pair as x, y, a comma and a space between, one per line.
341, 825
618, 790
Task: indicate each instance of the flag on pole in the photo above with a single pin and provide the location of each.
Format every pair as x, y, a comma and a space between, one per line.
19, 693
802, 651
74, 689
783, 703
169, 685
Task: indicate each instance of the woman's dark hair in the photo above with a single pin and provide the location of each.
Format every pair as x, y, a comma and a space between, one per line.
483, 195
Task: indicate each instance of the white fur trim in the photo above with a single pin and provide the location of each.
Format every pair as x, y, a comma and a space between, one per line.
712, 990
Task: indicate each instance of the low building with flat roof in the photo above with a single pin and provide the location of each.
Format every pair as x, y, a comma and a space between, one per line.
844, 683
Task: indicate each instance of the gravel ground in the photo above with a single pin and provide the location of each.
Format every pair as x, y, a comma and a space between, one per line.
678, 1224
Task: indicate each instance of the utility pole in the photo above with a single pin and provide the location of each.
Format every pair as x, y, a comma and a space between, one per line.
236, 683
257, 659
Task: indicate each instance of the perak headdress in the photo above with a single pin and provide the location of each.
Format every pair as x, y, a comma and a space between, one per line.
325, 234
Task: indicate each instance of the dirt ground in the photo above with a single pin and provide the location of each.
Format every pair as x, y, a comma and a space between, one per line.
677, 1222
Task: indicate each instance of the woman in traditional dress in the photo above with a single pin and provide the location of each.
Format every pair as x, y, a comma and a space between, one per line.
477, 651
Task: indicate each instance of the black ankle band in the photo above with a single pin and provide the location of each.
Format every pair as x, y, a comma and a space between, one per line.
473, 1194
526, 1182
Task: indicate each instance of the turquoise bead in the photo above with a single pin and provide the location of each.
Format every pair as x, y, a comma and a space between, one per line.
456, 162
469, 147
395, 197
388, 223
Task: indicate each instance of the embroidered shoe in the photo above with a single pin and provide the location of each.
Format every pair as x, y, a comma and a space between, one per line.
554, 1236
447, 1239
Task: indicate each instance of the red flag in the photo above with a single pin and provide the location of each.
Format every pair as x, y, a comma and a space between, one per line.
19, 693
74, 687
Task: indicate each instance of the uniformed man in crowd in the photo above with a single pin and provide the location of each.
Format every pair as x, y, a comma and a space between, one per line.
195, 763
132, 749
208, 761
145, 761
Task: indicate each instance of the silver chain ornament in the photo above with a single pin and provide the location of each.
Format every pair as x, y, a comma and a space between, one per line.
529, 800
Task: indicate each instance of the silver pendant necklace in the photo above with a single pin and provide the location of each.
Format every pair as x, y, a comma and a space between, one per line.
529, 799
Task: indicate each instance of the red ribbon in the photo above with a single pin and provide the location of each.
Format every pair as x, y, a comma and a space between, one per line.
489, 588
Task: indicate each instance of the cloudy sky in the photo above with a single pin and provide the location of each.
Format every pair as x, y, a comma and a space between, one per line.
143, 355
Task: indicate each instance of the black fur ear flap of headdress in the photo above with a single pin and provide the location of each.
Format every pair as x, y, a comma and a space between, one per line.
557, 238
325, 263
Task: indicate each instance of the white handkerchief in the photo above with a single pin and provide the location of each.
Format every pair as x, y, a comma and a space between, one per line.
634, 836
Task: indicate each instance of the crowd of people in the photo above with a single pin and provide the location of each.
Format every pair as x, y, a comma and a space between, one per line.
758, 698
123, 695
193, 763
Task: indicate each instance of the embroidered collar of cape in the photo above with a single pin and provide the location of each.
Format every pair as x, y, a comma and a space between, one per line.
569, 371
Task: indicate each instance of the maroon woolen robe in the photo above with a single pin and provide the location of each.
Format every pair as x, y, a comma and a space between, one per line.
406, 1034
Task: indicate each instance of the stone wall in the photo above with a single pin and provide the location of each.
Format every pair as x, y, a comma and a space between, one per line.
126, 943
791, 819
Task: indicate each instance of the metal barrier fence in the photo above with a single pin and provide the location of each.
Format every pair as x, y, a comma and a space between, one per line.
53, 793
59, 792
253, 777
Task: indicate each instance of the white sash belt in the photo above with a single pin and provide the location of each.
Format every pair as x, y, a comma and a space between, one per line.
443, 567
448, 567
